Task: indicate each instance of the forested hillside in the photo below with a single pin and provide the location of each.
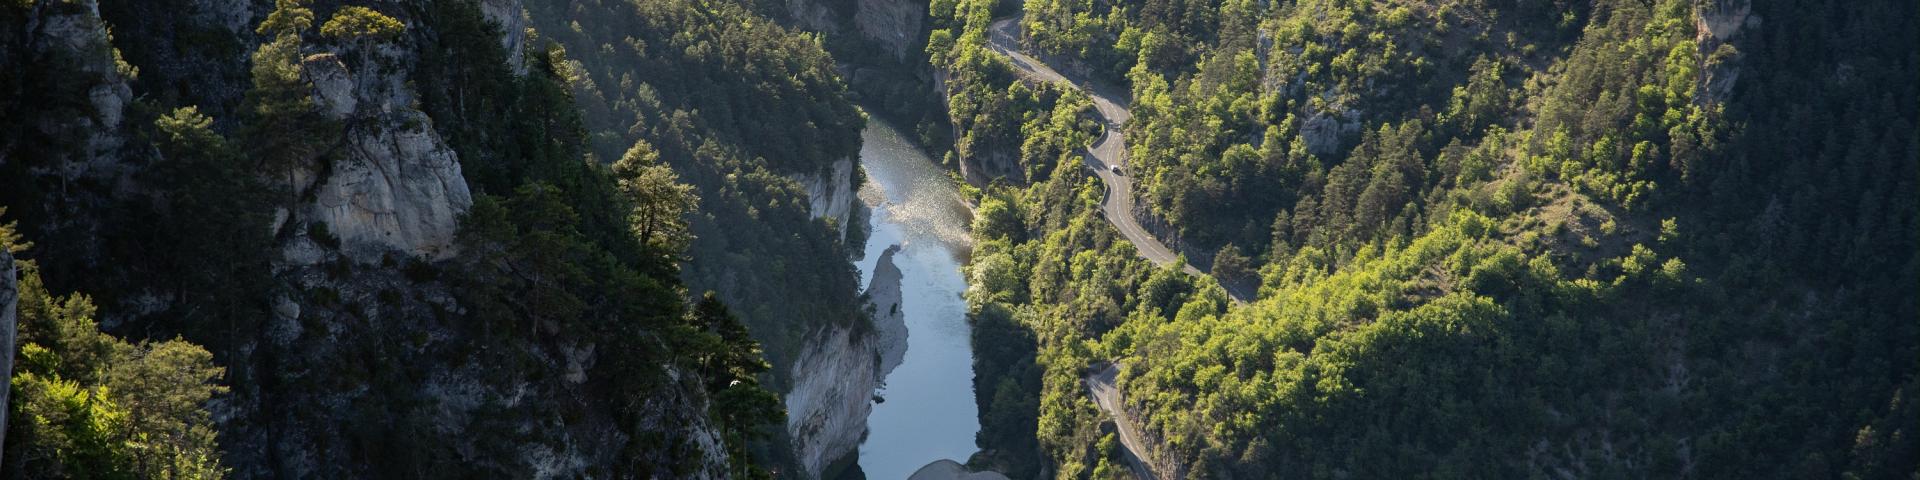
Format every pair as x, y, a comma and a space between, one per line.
1494, 238
383, 239
754, 117
700, 85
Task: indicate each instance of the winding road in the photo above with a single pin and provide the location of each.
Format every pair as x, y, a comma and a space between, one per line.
1109, 150
1106, 394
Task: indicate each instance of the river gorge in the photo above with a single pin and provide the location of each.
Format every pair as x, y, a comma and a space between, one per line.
926, 409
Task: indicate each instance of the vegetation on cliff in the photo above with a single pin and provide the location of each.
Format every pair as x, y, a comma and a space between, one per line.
567, 283
1494, 238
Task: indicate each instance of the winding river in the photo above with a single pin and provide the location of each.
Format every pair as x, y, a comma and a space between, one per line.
928, 412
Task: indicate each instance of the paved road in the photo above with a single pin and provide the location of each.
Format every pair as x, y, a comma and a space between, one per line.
1100, 383
1110, 150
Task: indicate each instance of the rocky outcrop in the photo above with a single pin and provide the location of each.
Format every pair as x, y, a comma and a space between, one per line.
1717, 24
511, 18
888, 320
834, 380
396, 185
333, 91
396, 189
1324, 132
831, 193
1722, 19
390, 186
70, 37
836, 374
894, 25
814, 15
355, 368
64, 148
9, 326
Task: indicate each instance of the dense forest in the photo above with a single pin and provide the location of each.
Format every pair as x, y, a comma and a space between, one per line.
1492, 238
387, 240
698, 89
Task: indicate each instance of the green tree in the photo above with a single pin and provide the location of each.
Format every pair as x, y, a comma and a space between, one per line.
89, 405
660, 202
1229, 265
740, 405
995, 219
10, 239
289, 17
283, 130
354, 22
164, 388
208, 230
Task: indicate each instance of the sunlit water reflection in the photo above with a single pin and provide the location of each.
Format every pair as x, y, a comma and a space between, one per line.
929, 412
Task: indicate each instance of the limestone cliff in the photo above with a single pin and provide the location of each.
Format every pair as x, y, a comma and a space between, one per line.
1717, 24
837, 372
880, 50
358, 365
390, 194
831, 193
396, 185
894, 25
834, 381
71, 35
65, 97
510, 16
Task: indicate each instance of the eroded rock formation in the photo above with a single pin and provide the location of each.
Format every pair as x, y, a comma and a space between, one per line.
836, 374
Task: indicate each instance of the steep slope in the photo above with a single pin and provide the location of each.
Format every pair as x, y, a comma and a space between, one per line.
390, 237
1493, 239
1106, 156
776, 174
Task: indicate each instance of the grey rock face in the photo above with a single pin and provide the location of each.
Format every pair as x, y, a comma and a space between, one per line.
836, 375
71, 35
1721, 20
950, 470
895, 24
399, 187
831, 193
888, 320
834, 381
396, 185
513, 26
1323, 132
332, 85
1718, 23
813, 15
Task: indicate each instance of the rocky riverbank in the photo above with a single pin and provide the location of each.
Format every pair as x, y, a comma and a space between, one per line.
836, 376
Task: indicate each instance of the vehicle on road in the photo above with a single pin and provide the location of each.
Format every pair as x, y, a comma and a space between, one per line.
1116, 170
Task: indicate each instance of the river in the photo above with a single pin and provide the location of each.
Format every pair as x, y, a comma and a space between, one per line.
929, 412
